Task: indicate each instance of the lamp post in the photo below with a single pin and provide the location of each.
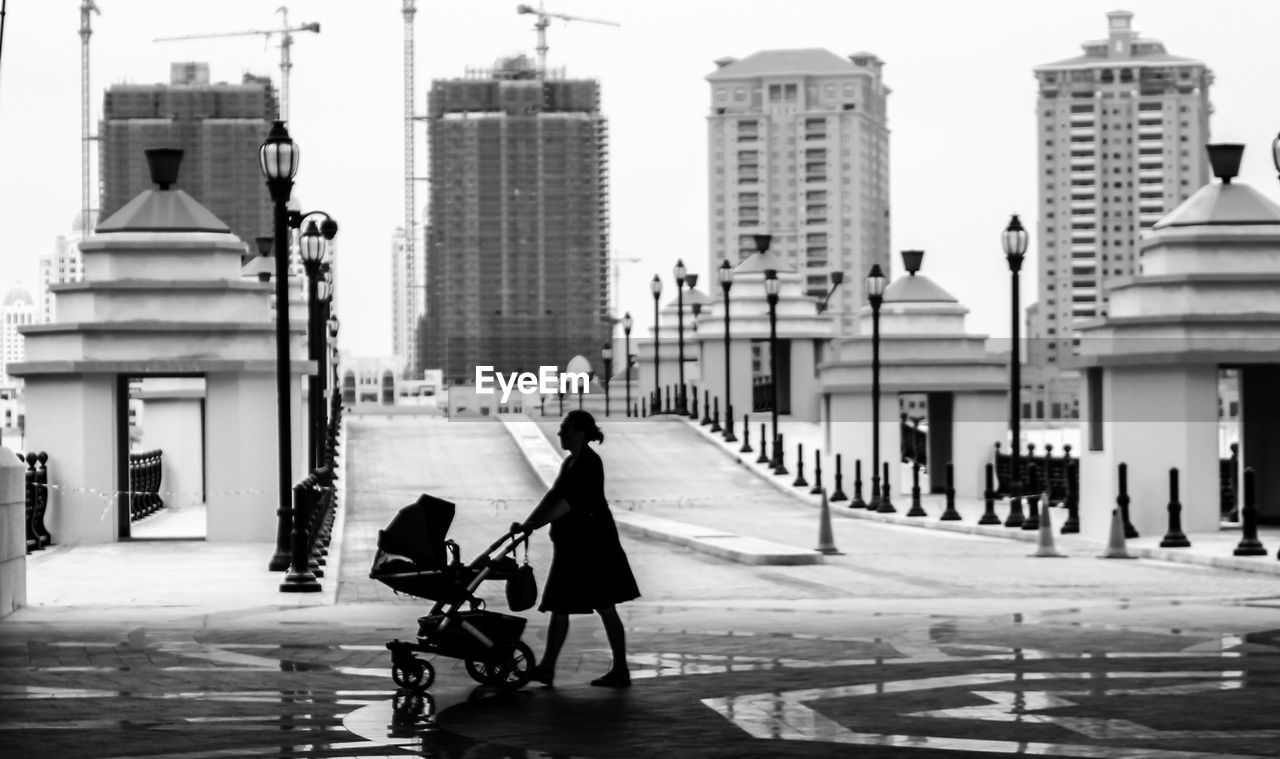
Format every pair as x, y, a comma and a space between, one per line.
315, 250
726, 282
837, 277
278, 158
626, 331
655, 287
606, 355
771, 294
1014, 243
875, 295
678, 271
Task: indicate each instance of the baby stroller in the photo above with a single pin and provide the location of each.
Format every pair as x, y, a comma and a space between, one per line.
414, 557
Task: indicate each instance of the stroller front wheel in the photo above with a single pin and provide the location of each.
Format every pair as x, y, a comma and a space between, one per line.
414, 673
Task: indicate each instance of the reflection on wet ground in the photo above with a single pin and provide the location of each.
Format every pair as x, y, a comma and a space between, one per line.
1119, 681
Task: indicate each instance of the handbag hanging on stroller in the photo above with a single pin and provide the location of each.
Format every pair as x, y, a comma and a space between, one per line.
414, 557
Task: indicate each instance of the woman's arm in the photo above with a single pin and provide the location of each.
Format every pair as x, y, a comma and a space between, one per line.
550, 508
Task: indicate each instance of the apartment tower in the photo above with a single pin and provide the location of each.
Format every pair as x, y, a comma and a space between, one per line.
1121, 130
799, 148
218, 126
406, 300
517, 271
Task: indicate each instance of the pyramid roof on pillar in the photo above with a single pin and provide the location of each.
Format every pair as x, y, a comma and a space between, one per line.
691, 296
1221, 203
916, 288
758, 263
163, 211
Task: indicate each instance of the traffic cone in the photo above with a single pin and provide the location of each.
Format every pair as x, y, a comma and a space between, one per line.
826, 541
1046, 548
1115, 547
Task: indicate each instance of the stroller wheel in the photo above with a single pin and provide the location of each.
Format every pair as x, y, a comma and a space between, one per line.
478, 671
413, 673
510, 666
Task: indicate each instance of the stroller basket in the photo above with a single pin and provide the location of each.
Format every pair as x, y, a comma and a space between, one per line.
463, 637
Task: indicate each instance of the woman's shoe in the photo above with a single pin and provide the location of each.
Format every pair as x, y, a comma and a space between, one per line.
613, 679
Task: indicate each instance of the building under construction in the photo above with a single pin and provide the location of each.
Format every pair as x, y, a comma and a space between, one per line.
518, 223
218, 126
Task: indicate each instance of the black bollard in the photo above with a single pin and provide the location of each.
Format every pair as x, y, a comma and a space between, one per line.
839, 495
667, 409
1032, 522
644, 410
886, 505
706, 408
800, 481
300, 578
729, 437
1249, 544
950, 514
817, 473
715, 415
1123, 502
917, 509
746, 434
1072, 525
989, 497
1174, 538
764, 447
1015, 517
693, 410
779, 464
858, 503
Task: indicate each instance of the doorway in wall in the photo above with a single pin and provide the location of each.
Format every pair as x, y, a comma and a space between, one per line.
161, 466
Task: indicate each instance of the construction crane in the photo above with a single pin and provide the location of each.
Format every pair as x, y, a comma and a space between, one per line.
286, 41
544, 20
87, 7
414, 289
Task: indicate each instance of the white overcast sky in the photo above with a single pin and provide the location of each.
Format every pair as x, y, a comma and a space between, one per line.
961, 115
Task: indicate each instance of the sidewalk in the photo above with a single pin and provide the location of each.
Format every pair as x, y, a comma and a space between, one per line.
1207, 549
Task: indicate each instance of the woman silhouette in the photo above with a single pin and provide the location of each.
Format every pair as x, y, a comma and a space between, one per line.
589, 570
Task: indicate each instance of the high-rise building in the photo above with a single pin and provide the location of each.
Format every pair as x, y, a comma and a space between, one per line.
64, 264
799, 149
218, 126
17, 309
1121, 131
406, 299
518, 224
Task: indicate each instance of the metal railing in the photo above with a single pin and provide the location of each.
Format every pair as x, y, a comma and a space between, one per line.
144, 483
37, 500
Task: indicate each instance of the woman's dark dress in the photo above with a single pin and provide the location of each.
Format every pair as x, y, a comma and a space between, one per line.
589, 569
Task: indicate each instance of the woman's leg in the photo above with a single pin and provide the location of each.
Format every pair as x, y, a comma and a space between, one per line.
617, 636
557, 631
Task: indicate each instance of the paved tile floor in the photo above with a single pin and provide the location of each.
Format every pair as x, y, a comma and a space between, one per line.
912, 644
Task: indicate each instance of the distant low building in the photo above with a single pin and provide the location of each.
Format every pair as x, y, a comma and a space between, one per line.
18, 309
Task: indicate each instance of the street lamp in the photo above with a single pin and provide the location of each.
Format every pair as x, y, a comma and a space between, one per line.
678, 271
726, 282
771, 293
278, 158
606, 354
837, 277
315, 250
626, 331
655, 287
1014, 242
875, 295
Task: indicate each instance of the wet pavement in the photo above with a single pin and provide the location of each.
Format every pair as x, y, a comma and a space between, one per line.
911, 644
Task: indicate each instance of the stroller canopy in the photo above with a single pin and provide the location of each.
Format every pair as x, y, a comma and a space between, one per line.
418, 531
